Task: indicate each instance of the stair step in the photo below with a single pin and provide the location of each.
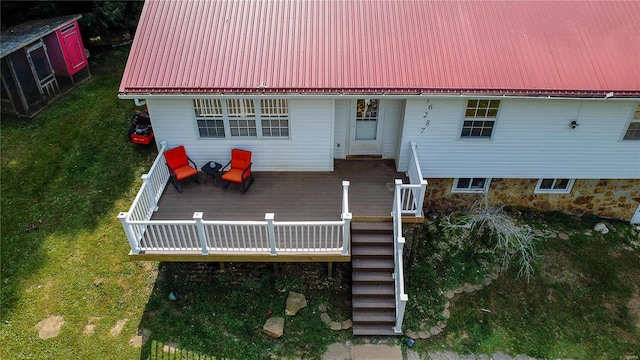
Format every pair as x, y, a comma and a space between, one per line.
373, 290
373, 316
372, 250
374, 303
371, 227
373, 330
372, 239
380, 277
372, 264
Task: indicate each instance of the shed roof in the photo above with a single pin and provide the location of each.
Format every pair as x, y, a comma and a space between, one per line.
23, 34
577, 48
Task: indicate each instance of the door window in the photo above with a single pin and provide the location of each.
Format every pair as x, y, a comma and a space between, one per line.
367, 119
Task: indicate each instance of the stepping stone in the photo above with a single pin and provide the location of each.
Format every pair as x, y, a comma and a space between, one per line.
347, 324
115, 331
337, 351
376, 352
446, 314
274, 327
334, 325
412, 334
322, 307
140, 339
50, 327
170, 347
295, 302
424, 335
325, 318
500, 356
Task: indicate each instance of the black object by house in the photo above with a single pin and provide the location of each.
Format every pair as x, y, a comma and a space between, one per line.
40, 60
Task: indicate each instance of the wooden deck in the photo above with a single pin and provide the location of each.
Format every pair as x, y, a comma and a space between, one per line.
291, 196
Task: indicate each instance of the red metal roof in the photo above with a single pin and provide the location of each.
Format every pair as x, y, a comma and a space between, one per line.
386, 46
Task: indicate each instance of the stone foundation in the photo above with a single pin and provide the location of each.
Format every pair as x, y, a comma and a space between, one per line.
616, 199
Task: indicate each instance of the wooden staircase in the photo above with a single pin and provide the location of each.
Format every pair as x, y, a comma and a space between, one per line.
373, 286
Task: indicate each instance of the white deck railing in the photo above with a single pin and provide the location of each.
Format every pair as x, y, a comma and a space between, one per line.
412, 195
398, 248
407, 200
206, 236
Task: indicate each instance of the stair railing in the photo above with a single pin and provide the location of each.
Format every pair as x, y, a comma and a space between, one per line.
398, 248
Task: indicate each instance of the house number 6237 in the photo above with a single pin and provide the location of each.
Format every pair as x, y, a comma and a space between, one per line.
427, 122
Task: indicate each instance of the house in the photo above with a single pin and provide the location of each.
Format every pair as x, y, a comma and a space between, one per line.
532, 104
41, 59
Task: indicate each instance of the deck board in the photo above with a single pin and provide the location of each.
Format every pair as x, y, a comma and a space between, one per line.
291, 196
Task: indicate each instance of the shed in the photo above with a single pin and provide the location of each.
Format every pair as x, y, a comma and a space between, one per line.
40, 60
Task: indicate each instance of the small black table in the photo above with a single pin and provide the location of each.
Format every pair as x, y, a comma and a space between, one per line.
212, 169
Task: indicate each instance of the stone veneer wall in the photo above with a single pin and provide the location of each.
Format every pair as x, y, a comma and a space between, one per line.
612, 198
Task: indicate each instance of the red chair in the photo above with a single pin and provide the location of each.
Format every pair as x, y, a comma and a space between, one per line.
240, 170
179, 167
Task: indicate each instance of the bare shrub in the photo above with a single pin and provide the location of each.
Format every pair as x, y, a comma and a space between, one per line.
511, 240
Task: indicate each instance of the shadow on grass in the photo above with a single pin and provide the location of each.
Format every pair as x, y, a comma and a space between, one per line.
220, 313
62, 172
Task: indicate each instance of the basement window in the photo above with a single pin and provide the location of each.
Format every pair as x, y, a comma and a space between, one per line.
554, 186
471, 185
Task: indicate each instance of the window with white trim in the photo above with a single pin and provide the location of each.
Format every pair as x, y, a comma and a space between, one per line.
554, 186
633, 130
209, 117
479, 118
470, 185
274, 115
234, 118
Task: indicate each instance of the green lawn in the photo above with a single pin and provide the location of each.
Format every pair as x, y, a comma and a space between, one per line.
67, 173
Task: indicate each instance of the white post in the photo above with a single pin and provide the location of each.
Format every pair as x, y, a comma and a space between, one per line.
397, 196
420, 197
346, 235
197, 216
346, 216
148, 184
400, 313
133, 242
271, 232
345, 197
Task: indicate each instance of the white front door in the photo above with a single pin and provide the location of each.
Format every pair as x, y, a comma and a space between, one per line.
365, 128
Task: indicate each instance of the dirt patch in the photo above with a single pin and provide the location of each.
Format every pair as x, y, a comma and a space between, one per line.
90, 328
557, 268
50, 327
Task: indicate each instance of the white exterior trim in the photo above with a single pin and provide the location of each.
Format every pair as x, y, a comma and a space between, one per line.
567, 190
484, 190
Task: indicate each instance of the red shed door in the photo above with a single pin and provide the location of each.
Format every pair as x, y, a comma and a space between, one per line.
73, 48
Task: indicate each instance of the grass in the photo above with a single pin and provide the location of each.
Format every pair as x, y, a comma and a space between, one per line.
67, 173
578, 304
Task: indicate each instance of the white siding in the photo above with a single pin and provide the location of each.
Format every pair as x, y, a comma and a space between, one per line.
341, 128
391, 125
532, 139
307, 149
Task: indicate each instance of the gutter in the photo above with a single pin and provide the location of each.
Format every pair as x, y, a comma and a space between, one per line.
137, 96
